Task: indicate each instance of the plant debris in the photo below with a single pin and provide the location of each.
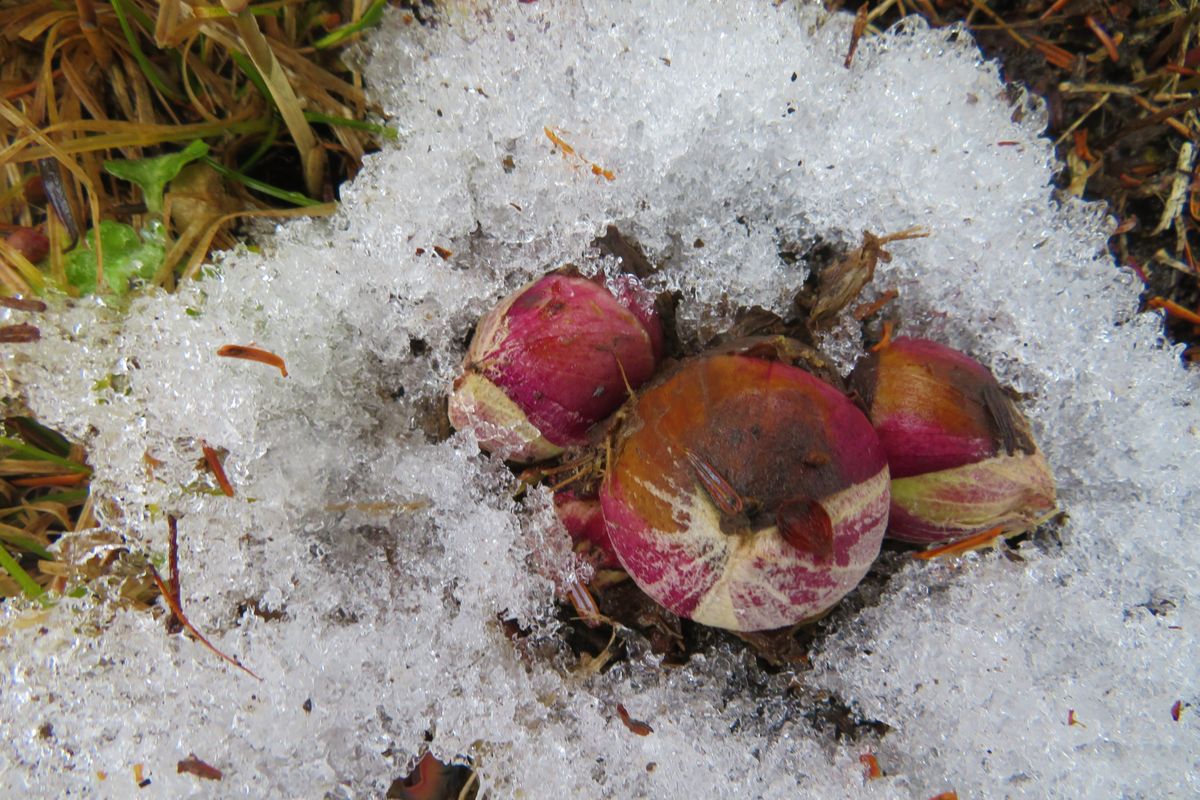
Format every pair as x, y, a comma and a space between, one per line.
170, 592
201, 769
253, 354
1120, 88
634, 725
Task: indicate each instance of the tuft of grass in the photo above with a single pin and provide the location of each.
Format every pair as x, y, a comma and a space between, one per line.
88, 85
44, 494
135, 136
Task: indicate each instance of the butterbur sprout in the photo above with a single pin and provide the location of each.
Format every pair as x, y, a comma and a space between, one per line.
32, 243
961, 454
745, 493
582, 518
551, 361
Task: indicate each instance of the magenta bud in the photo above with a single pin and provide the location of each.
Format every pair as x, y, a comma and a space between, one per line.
553, 360
745, 493
582, 518
962, 458
30, 242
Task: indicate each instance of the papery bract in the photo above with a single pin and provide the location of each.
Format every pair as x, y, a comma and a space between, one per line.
745, 493
551, 361
961, 454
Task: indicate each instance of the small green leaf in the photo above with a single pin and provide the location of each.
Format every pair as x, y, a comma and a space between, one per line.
153, 174
127, 256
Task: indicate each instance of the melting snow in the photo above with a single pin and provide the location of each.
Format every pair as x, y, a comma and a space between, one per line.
379, 561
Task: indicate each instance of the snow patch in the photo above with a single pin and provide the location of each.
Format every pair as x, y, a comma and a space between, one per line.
385, 560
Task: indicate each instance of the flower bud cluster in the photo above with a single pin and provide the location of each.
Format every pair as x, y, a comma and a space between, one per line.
739, 489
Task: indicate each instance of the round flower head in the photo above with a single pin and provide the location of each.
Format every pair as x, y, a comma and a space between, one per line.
551, 361
962, 458
745, 493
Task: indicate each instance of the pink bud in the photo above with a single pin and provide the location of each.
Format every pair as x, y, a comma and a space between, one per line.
582, 518
745, 493
551, 361
30, 242
962, 458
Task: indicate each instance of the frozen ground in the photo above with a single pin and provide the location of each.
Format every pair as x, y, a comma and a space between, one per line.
385, 559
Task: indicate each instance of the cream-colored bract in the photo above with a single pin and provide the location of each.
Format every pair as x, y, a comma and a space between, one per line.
500, 425
1015, 492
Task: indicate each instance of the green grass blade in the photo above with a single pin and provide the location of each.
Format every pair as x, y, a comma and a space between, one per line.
370, 17
251, 72
28, 585
37, 454
15, 537
295, 198
39, 435
148, 69
264, 146
141, 17
66, 498
356, 124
